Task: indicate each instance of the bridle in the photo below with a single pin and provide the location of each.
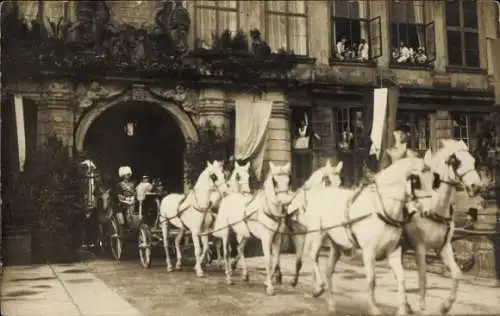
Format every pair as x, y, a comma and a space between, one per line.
237, 177
454, 164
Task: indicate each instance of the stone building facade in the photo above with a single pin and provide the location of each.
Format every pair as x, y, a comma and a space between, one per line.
439, 97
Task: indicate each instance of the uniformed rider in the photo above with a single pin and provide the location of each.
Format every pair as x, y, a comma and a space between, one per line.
125, 192
142, 189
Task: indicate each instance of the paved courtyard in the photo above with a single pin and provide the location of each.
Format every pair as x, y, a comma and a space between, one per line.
105, 288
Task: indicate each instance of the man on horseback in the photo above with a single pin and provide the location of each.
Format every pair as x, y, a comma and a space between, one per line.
125, 192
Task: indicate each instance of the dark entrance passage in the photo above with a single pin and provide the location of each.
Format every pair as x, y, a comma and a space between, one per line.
154, 148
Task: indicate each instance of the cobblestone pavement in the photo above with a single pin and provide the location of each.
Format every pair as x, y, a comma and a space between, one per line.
156, 292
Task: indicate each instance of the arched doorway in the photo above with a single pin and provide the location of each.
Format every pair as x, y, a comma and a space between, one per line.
155, 148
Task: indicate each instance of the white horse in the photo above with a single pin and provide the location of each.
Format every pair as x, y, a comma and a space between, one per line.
323, 177
452, 165
260, 215
238, 182
194, 211
371, 220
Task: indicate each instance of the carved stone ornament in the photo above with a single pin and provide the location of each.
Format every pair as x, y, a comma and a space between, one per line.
186, 98
94, 92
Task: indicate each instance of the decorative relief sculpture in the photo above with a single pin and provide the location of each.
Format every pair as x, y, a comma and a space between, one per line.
186, 98
94, 92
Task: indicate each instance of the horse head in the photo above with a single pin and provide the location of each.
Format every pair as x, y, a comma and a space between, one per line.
213, 178
277, 185
454, 164
416, 193
239, 180
324, 177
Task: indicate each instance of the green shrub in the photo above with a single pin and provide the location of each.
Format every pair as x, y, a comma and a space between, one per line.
48, 199
212, 144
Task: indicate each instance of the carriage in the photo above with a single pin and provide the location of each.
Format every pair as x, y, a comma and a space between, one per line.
142, 226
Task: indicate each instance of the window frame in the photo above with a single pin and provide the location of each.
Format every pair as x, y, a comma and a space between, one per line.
414, 117
198, 6
429, 41
462, 30
288, 15
374, 32
472, 119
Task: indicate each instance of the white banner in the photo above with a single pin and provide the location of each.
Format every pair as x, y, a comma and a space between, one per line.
379, 118
252, 119
21, 136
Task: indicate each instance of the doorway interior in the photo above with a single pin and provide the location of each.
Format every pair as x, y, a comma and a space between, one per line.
141, 135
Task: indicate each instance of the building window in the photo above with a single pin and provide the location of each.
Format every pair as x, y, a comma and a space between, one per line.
302, 143
355, 37
462, 33
287, 26
350, 131
214, 17
412, 40
466, 127
416, 124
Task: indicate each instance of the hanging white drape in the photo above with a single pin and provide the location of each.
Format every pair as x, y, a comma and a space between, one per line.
379, 118
21, 134
418, 13
252, 119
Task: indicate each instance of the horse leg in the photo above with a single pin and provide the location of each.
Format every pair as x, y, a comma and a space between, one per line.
420, 253
396, 265
227, 266
267, 245
197, 253
318, 285
333, 258
369, 263
164, 231
242, 242
449, 260
276, 252
205, 246
178, 251
218, 247
299, 241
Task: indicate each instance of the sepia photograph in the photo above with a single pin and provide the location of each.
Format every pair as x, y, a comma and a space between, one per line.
250, 157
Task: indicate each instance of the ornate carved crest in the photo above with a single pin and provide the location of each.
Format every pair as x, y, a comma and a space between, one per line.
87, 95
186, 98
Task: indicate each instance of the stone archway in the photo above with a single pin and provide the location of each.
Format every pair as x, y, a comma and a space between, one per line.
147, 100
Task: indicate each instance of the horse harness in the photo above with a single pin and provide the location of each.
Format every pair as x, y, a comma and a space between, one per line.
384, 217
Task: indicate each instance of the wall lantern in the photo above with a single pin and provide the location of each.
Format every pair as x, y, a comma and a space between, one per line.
130, 128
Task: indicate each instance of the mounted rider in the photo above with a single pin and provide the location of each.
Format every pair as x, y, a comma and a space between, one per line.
398, 151
125, 193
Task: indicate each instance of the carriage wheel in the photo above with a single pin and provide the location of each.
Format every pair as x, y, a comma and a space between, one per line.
145, 246
115, 240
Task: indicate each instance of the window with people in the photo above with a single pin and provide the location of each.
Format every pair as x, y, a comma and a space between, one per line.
287, 26
466, 127
462, 33
214, 17
350, 129
412, 39
302, 136
416, 126
355, 37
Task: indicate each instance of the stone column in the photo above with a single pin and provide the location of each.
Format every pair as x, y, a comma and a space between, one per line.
56, 118
214, 108
443, 125
278, 147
